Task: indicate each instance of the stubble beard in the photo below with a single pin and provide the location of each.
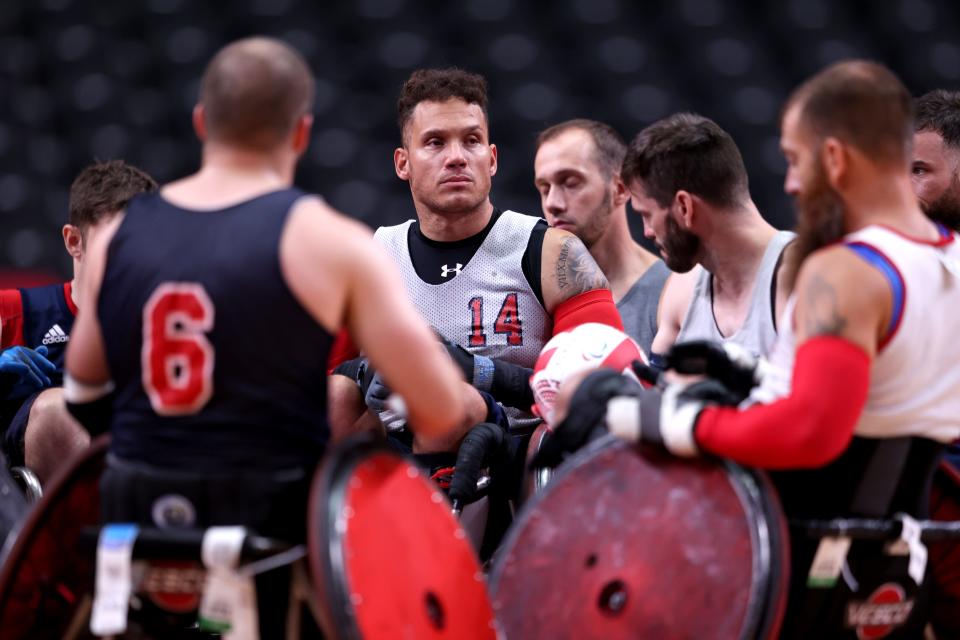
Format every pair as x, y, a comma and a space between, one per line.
454, 205
597, 221
681, 247
946, 208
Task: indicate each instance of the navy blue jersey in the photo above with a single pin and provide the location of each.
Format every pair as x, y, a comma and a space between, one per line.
39, 316
217, 366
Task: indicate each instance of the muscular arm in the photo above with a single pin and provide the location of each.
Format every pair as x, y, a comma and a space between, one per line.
843, 308
341, 276
575, 291
567, 269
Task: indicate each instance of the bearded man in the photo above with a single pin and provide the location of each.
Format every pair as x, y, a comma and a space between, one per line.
865, 392
688, 182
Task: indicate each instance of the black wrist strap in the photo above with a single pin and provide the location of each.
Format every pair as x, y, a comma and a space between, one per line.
511, 385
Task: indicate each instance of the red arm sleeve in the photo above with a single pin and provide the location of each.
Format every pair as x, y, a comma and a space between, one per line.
808, 428
595, 305
11, 318
342, 350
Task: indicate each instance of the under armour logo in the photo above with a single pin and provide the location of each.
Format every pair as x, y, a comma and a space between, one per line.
446, 271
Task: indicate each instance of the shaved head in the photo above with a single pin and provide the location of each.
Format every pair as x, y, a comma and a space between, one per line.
254, 91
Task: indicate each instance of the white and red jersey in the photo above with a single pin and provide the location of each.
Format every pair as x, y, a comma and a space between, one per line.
915, 377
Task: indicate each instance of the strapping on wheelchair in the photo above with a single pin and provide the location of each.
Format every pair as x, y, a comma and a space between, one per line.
269, 503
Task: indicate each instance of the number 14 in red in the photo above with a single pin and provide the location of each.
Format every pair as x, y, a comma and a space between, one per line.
507, 322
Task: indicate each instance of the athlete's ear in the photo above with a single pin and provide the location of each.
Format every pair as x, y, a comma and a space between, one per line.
200, 122
301, 134
683, 204
835, 159
400, 163
73, 240
493, 159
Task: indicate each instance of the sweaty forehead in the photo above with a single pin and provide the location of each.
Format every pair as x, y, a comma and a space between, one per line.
449, 115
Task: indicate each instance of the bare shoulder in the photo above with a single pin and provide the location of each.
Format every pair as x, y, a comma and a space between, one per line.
568, 269
677, 294
325, 257
330, 238
312, 216
840, 294
683, 284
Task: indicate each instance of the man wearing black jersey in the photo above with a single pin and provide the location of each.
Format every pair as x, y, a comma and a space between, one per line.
191, 285
190, 381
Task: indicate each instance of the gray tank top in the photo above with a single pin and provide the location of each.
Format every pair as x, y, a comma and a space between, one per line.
487, 307
758, 332
638, 308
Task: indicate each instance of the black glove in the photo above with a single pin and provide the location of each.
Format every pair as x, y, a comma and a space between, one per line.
507, 382
354, 369
585, 420
375, 390
375, 394
485, 446
732, 365
646, 372
666, 418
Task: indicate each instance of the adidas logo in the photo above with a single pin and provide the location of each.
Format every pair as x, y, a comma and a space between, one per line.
55, 335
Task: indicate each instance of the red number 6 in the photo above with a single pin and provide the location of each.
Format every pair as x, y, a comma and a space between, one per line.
177, 358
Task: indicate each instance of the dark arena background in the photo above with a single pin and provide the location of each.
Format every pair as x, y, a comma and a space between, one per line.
117, 79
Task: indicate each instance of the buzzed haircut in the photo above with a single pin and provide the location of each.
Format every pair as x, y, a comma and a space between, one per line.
688, 152
104, 188
609, 149
861, 103
939, 111
254, 91
439, 85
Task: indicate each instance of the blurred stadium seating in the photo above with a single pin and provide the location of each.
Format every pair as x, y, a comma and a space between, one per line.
117, 79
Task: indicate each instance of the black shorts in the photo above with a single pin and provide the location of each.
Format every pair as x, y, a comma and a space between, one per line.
14, 414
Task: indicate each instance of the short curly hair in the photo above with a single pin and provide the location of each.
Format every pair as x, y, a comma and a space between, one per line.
439, 85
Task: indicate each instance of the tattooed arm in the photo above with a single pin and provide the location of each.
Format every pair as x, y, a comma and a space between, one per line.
567, 269
839, 294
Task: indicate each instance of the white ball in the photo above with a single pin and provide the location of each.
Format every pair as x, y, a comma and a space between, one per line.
586, 346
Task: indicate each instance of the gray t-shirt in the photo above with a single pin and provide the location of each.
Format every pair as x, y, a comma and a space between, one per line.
758, 332
638, 308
